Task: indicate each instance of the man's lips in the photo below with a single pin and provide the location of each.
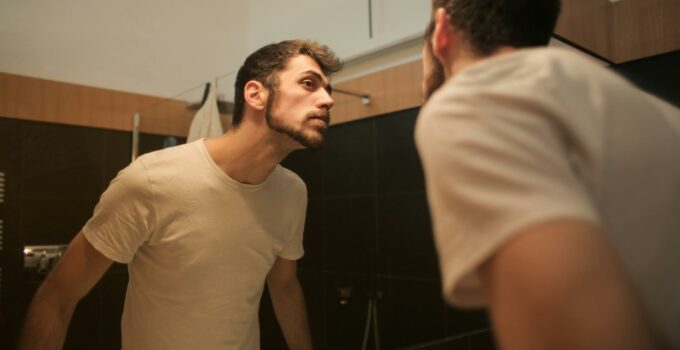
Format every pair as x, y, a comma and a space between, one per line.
326, 119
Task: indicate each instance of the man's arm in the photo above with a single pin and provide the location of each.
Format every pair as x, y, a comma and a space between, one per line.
52, 307
289, 304
558, 285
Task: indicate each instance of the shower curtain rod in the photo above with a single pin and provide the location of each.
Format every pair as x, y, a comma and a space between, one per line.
365, 98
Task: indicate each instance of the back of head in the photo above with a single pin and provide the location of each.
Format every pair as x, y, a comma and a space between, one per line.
264, 65
487, 25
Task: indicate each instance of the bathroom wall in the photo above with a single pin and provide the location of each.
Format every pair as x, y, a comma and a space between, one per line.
368, 229
54, 177
658, 75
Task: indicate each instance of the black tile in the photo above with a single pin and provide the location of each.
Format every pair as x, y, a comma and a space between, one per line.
11, 259
483, 341
462, 343
405, 242
53, 221
346, 305
313, 237
10, 165
455, 344
84, 329
11, 133
459, 321
152, 142
117, 154
308, 165
349, 159
62, 161
113, 288
27, 291
658, 75
349, 235
15, 300
410, 312
398, 164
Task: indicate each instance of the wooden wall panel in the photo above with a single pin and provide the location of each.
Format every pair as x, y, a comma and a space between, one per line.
50, 101
586, 23
391, 90
643, 28
621, 31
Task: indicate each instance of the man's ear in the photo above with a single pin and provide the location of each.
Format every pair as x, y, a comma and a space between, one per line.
443, 36
255, 95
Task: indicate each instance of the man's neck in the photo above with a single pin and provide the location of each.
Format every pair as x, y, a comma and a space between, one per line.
466, 59
247, 154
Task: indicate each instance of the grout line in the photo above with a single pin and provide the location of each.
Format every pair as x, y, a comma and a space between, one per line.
376, 208
448, 339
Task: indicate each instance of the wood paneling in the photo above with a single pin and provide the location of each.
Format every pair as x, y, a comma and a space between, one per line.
621, 31
586, 23
643, 28
391, 90
50, 101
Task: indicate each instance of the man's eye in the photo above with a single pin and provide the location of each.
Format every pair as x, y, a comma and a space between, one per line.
308, 83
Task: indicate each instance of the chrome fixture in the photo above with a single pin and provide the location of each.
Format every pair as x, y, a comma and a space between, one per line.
40, 259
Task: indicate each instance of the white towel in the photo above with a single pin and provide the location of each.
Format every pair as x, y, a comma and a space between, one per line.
206, 122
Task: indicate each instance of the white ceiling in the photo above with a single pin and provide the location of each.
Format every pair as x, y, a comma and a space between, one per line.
153, 47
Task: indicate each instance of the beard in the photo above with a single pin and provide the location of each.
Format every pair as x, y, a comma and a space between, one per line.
308, 136
435, 78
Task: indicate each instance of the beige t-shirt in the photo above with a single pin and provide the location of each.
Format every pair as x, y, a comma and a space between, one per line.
542, 133
198, 245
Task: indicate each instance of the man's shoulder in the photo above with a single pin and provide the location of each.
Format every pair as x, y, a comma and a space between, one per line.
167, 155
289, 179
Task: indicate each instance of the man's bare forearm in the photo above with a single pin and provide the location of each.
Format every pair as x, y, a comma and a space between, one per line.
46, 324
289, 306
71, 279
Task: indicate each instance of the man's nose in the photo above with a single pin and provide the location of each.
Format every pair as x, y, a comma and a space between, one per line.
325, 101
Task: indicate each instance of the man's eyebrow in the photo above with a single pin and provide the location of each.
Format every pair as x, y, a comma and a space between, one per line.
320, 77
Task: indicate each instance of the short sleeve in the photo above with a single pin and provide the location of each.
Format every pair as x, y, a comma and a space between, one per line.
493, 166
124, 217
293, 248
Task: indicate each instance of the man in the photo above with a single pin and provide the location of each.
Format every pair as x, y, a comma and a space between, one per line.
554, 185
202, 226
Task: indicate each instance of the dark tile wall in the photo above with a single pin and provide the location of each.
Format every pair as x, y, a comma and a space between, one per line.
10, 259
368, 229
54, 177
658, 75
368, 235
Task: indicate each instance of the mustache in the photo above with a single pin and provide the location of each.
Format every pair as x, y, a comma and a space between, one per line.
325, 115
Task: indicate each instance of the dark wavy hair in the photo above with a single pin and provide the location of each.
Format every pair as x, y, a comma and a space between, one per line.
264, 65
488, 25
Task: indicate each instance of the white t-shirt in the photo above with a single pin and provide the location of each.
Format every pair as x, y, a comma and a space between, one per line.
543, 133
198, 245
